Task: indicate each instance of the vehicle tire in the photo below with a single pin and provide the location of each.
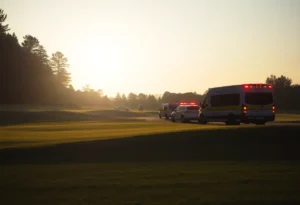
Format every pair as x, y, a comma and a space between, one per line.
260, 123
166, 117
202, 120
231, 120
159, 116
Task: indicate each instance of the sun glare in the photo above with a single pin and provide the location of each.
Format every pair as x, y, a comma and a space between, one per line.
103, 64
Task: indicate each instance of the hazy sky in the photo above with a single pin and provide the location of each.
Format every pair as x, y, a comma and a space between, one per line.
152, 46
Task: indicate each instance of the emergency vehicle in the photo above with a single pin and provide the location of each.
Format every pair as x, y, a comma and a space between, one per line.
166, 109
185, 112
246, 103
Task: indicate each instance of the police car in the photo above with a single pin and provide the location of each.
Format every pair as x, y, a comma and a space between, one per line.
166, 109
235, 104
185, 112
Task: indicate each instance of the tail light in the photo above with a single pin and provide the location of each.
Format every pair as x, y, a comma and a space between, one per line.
273, 108
244, 109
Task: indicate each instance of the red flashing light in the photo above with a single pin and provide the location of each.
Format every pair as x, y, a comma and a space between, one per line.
257, 86
184, 103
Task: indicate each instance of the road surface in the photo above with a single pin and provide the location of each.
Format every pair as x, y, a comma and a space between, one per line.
156, 119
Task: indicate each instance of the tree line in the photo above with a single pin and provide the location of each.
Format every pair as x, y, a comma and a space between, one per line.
29, 76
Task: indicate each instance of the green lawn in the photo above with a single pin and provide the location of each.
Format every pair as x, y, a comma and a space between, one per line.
149, 163
55, 133
71, 129
288, 117
213, 183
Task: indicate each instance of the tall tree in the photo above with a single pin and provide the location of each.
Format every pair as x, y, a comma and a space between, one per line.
142, 98
31, 43
3, 28
279, 82
42, 54
59, 64
118, 98
132, 99
152, 102
124, 98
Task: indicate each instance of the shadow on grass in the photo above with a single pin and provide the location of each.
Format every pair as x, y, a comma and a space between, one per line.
260, 143
21, 117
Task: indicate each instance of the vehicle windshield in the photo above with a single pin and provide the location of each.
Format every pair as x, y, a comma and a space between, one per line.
193, 108
253, 98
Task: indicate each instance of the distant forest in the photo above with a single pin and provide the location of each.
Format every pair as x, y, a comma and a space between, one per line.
29, 76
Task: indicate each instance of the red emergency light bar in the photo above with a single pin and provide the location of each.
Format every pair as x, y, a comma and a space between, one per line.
191, 103
257, 86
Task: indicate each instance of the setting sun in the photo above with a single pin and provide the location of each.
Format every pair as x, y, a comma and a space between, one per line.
103, 63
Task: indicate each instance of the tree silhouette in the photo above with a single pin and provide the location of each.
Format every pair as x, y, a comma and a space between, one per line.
124, 98
142, 98
59, 64
118, 98
3, 28
279, 82
42, 54
31, 43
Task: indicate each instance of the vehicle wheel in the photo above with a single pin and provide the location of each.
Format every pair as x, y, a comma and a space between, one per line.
260, 123
159, 116
231, 120
202, 120
166, 116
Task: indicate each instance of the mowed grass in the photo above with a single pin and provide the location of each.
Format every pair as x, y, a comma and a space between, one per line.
213, 183
65, 132
69, 128
288, 117
162, 163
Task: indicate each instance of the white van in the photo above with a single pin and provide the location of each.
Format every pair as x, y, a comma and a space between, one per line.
246, 103
166, 109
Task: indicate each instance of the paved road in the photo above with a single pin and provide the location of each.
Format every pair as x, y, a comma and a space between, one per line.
156, 119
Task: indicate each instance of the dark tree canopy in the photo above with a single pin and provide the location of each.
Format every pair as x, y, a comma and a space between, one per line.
31, 43
279, 82
3, 28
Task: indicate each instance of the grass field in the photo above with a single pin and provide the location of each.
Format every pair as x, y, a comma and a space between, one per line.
288, 117
111, 157
231, 183
28, 135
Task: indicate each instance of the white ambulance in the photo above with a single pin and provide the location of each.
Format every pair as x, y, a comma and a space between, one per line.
246, 103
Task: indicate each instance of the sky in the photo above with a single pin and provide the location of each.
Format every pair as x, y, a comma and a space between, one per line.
153, 46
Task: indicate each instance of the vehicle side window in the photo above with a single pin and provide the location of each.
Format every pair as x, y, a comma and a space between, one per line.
225, 100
